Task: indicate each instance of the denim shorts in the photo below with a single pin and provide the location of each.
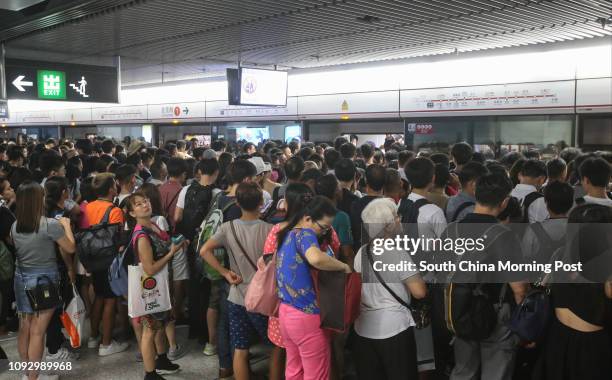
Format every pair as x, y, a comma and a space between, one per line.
26, 278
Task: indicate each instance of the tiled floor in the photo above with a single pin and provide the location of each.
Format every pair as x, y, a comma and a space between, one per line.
123, 366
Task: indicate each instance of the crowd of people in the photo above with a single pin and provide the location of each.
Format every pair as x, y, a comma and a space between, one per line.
210, 216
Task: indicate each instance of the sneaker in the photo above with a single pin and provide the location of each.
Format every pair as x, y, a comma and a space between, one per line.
62, 355
153, 376
113, 348
177, 353
93, 342
210, 349
164, 366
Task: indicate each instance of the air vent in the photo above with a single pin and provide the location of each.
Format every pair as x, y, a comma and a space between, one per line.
368, 19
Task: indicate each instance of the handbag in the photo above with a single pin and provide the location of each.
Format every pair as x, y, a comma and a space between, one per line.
45, 295
261, 295
420, 309
532, 316
339, 298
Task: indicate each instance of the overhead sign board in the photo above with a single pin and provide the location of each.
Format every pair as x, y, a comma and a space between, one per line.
37, 80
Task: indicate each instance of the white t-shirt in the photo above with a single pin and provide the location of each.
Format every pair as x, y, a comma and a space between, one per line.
161, 222
381, 316
599, 201
431, 219
537, 211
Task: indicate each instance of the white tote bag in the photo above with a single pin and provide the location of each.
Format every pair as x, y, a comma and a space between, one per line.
147, 294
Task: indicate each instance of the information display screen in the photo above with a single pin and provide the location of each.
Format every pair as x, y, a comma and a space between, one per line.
254, 135
292, 132
263, 87
202, 140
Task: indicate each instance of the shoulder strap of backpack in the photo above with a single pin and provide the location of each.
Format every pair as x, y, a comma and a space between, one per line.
275, 194
381, 281
527, 201
106, 216
461, 207
580, 201
541, 234
412, 213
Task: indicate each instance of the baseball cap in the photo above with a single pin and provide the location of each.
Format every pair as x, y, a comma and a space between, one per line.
208, 154
259, 163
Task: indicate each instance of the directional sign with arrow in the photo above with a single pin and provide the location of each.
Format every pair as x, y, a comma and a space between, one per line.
38, 80
186, 111
19, 83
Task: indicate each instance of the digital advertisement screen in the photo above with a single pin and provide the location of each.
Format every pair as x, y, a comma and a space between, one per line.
254, 135
202, 140
263, 87
293, 131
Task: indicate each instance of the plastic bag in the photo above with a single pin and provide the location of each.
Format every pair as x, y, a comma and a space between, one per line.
73, 319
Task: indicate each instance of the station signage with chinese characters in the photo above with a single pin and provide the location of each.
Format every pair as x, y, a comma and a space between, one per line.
37, 80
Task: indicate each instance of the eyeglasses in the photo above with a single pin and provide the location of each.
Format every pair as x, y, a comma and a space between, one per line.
323, 228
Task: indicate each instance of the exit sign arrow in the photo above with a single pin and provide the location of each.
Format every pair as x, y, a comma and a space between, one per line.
19, 83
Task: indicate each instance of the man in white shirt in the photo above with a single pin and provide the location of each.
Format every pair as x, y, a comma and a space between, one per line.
594, 177
385, 334
431, 223
531, 177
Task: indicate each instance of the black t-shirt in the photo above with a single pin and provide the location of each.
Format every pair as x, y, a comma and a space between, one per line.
505, 247
6, 221
355, 214
233, 212
347, 201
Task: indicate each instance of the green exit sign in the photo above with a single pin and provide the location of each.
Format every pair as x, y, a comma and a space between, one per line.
51, 84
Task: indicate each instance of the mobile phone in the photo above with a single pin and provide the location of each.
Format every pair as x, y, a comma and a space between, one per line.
178, 239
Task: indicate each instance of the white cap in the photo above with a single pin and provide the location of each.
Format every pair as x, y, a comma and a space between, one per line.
260, 165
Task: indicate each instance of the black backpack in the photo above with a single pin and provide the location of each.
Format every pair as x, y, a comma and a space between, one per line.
547, 245
469, 311
197, 204
274, 215
461, 207
98, 245
409, 210
527, 201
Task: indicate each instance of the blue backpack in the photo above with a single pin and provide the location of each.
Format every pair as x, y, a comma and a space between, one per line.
117, 272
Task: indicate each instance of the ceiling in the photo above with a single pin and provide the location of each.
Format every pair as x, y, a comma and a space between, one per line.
166, 40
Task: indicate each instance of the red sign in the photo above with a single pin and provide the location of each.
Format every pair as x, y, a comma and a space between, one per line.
423, 129
177, 111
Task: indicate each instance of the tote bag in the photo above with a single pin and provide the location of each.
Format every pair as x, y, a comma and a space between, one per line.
147, 294
339, 297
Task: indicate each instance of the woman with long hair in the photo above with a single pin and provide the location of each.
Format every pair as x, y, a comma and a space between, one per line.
298, 250
56, 194
34, 236
577, 344
151, 248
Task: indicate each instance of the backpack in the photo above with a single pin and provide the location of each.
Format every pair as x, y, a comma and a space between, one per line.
274, 215
547, 244
197, 202
461, 207
469, 311
98, 245
209, 226
527, 201
409, 210
117, 272
7, 263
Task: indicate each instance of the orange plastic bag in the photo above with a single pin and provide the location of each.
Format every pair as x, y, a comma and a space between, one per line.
73, 319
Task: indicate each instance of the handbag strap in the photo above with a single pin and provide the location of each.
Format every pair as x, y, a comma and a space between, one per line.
241, 248
382, 282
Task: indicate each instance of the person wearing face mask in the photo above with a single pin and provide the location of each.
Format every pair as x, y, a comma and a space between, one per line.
307, 345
